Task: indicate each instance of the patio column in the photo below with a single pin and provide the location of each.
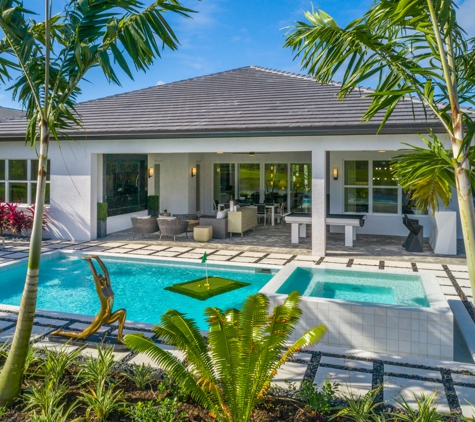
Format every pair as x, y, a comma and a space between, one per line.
319, 233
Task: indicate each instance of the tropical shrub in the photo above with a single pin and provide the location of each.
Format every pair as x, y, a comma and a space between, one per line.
360, 409
229, 372
17, 219
426, 410
141, 375
164, 410
320, 401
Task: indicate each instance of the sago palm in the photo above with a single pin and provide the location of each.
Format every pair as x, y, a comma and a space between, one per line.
414, 49
230, 370
49, 60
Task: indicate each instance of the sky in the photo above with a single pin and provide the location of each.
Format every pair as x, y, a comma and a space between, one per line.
225, 35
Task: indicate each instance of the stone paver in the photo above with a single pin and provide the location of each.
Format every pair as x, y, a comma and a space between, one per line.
5, 324
290, 372
349, 363
466, 396
50, 321
468, 379
272, 261
7, 336
427, 373
351, 382
245, 259
407, 388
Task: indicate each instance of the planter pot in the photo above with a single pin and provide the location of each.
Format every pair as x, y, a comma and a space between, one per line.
165, 214
101, 228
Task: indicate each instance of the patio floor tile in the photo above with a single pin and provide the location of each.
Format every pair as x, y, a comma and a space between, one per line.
93, 249
253, 254
9, 315
466, 397
350, 363
291, 372
306, 258
244, 259
156, 247
7, 336
203, 250
335, 259
273, 261
50, 321
449, 290
191, 256
179, 249
351, 382
395, 387
372, 262
444, 281
165, 253
469, 379
216, 257
118, 250
113, 244
226, 252
17, 255
45, 344
279, 256
460, 275
430, 266
427, 373
454, 267
5, 324
133, 246
398, 264
142, 252
79, 326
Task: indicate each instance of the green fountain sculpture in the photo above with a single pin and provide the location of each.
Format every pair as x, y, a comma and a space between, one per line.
106, 297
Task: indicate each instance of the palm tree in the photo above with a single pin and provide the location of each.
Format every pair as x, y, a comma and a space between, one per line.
52, 58
414, 48
233, 368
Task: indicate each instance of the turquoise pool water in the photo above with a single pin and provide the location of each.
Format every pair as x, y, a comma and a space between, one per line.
358, 286
66, 285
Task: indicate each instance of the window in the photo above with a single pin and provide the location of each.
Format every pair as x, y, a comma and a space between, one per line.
18, 181
301, 187
125, 183
370, 187
356, 186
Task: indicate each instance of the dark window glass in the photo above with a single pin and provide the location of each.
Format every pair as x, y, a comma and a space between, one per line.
34, 170
33, 193
356, 199
224, 177
2, 191
408, 205
18, 192
356, 173
125, 183
249, 182
17, 170
301, 187
2, 169
385, 200
382, 175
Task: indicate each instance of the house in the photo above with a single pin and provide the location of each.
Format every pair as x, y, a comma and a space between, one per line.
250, 133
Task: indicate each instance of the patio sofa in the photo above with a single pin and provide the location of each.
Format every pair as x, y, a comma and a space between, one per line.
220, 225
144, 225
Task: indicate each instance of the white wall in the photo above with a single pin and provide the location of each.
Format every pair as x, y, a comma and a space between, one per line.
76, 170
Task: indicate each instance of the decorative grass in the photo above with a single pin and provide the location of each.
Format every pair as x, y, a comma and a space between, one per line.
197, 288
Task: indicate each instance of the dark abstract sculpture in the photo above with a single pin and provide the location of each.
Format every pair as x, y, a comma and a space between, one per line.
413, 242
106, 297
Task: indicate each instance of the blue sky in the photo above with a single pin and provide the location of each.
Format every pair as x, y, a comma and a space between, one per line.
227, 34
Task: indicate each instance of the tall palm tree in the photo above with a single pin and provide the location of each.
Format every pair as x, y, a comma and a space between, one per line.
414, 48
52, 58
230, 371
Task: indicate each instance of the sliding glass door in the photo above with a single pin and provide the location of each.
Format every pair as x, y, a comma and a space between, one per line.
249, 182
301, 187
224, 180
275, 183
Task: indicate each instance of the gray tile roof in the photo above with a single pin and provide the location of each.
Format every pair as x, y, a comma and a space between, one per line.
10, 113
245, 101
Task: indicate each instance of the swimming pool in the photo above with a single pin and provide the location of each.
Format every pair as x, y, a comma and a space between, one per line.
359, 286
66, 285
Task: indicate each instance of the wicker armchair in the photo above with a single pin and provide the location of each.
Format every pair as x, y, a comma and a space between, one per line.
172, 227
144, 225
191, 218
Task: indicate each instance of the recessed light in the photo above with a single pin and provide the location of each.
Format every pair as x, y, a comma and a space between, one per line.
220, 152
382, 150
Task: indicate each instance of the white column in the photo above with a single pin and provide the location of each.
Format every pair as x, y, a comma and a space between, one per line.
319, 234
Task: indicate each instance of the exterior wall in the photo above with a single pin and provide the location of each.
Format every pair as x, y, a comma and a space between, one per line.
76, 172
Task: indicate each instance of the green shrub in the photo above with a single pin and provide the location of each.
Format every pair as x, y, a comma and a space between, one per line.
102, 400
321, 401
152, 203
426, 410
164, 410
97, 371
234, 365
141, 375
360, 409
102, 211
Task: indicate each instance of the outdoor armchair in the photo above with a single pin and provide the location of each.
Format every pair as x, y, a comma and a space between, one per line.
144, 225
172, 227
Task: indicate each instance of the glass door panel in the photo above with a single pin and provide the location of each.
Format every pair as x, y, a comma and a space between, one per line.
301, 188
249, 182
224, 179
276, 183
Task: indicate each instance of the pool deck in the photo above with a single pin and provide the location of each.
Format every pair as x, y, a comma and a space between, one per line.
357, 371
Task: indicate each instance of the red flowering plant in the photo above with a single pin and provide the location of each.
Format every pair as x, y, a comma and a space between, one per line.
4, 218
20, 219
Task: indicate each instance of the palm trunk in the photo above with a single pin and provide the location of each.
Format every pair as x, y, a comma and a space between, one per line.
12, 372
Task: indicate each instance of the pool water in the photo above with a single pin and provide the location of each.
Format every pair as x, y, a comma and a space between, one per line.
358, 286
66, 285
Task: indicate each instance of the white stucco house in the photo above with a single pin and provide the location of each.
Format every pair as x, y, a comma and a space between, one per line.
251, 133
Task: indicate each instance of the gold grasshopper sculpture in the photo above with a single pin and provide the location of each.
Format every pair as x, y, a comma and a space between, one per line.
106, 297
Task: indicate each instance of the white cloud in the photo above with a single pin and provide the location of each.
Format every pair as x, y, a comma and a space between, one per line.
161, 83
